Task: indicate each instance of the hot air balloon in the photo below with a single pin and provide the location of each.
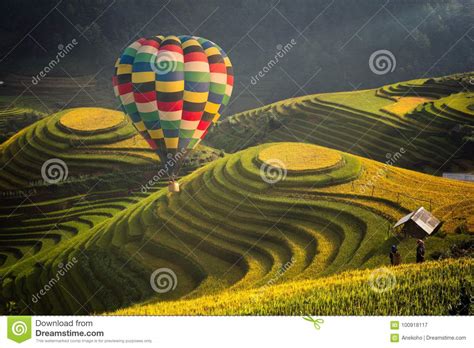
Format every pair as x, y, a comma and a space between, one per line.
173, 88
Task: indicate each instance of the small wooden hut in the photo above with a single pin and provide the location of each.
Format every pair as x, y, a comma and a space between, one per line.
419, 224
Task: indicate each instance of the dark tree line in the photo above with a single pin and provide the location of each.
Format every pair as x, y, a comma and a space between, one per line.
334, 39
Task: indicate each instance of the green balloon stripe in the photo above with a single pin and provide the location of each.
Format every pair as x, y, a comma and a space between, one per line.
226, 99
186, 133
217, 88
195, 76
149, 116
130, 108
130, 51
170, 124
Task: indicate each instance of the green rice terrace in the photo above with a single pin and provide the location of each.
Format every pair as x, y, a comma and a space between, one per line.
436, 133
296, 217
16, 114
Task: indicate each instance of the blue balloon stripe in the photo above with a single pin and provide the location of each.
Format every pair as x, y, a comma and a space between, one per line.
141, 67
215, 98
196, 86
135, 117
171, 76
171, 133
152, 124
126, 59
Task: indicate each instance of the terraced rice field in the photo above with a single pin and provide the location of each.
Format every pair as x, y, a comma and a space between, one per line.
231, 230
32, 226
13, 107
357, 122
86, 152
404, 105
60, 92
98, 180
278, 228
92, 120
308, 157
348, 293
17, 113
23, 155
445, 113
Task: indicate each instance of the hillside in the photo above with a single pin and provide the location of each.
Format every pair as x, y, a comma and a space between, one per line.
16, 114
428, 289
91, 141
431, 119
237, 222
99, 167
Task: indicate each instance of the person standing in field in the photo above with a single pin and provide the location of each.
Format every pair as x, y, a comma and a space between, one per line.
395, 257
420, 251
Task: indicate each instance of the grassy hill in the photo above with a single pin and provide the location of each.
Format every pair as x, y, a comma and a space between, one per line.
239, 221
105, 164
25, 99
432, 288
274, 227
91, 141
432, 119
16, 114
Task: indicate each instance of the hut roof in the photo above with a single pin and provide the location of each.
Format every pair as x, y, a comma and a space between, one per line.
423, 218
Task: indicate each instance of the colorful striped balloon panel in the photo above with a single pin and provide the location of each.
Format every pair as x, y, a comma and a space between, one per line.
173, 88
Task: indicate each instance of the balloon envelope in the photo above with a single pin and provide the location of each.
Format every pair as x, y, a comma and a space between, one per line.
172, 88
